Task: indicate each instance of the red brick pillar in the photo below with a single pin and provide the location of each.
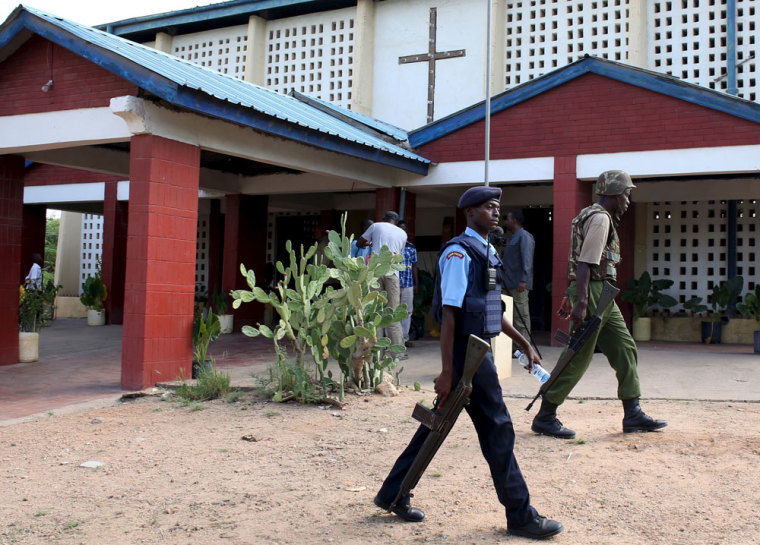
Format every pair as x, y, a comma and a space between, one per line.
160, 271
386, 198
627, 232
570, 196
245, 235
114, 260
410, 215
11, 212
33, 225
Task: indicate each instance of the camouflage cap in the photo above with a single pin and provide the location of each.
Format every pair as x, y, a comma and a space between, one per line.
613, 182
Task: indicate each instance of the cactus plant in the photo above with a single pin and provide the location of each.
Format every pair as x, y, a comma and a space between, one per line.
320, 322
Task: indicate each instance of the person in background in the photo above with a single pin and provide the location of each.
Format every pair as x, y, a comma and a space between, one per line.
518, 270
409, 283
362, 252
33, 280
387, 233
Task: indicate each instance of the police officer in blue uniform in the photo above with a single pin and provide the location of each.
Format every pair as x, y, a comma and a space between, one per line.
468, 296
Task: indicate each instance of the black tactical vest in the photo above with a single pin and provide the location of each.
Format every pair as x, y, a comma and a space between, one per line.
481, 308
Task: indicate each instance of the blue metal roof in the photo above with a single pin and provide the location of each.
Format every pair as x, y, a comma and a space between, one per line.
196, 88
233, 12
646, 79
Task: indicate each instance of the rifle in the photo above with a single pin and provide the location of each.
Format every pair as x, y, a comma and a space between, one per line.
579, 338
441, 419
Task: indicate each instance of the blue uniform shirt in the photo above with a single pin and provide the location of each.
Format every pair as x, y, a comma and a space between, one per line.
454, 266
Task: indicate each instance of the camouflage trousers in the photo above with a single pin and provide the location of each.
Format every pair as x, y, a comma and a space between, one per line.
614, 341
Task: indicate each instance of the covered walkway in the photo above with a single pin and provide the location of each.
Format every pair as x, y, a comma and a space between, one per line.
80, 367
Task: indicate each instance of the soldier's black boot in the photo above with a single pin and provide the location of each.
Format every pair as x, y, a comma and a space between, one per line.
636, 420
547, 423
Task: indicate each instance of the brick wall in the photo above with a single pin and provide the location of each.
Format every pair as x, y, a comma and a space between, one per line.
78, 83
594, 114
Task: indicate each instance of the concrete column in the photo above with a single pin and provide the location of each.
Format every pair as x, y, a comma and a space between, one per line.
160, 273
11, 212
638, 46
113, 262
32, 236
67, 262
165, 42
245, 233
364, 57
570, 196
498, 45
256, 53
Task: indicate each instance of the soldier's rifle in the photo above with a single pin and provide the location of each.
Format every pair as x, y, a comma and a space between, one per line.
579, 338
441, 418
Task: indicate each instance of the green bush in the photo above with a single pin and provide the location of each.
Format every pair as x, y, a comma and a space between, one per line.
210, 384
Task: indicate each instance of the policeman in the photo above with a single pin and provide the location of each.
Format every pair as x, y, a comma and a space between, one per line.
594, 256
468, 300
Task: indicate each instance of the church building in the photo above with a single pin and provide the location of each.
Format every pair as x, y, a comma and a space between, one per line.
279, 115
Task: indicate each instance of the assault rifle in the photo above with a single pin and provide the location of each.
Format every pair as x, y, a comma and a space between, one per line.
579, 338
442, 418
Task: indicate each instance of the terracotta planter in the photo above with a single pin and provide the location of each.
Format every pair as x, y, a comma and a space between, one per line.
226, 321
28, 346
96, 317
642, 329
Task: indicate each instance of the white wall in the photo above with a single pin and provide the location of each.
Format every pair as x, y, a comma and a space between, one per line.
401, 29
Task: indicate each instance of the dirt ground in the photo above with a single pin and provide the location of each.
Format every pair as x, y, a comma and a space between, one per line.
307, 475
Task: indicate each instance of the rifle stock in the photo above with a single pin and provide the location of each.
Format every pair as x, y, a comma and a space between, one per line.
441, 419
579, 338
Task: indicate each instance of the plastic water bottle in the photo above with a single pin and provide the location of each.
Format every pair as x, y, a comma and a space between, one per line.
541, 374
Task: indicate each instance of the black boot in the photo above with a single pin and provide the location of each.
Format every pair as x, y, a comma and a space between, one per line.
546, 422
635, 419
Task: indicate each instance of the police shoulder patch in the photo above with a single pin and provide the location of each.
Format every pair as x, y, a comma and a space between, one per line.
455, 253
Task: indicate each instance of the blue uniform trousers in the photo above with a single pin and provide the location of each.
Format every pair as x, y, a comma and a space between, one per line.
496, 435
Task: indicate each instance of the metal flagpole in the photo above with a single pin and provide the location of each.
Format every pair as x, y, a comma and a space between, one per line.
488, 94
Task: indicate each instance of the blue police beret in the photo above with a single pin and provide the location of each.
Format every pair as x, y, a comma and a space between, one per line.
478, 195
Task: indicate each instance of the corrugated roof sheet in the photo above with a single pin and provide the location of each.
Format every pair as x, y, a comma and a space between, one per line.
226, 88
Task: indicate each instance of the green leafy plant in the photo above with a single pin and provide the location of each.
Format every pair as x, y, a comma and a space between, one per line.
206, 328
723, 296
645, 293
320, 321
210, 384
750, 307
220, 302
94, 293
30, 310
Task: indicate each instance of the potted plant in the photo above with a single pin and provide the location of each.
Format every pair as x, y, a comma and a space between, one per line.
49, 292
719, 310
206, 328
221, 305
751, 309
644, 294
94, 293
30, 321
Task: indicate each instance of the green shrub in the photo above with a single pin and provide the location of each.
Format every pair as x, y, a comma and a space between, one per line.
210, 384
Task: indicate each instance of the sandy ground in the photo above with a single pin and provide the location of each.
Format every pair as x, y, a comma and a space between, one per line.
307, 475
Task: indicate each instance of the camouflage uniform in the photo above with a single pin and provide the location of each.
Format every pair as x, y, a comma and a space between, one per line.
612, 337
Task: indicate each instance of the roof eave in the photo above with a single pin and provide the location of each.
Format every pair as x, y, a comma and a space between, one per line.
645, 79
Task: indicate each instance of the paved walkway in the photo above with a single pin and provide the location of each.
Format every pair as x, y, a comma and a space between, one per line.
80, 366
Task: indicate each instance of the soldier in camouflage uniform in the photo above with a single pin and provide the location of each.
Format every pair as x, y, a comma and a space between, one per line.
594, 256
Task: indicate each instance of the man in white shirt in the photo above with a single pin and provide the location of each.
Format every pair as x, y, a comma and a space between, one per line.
33, 280
387, 233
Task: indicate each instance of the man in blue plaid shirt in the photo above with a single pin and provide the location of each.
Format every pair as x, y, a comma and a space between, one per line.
408, 282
